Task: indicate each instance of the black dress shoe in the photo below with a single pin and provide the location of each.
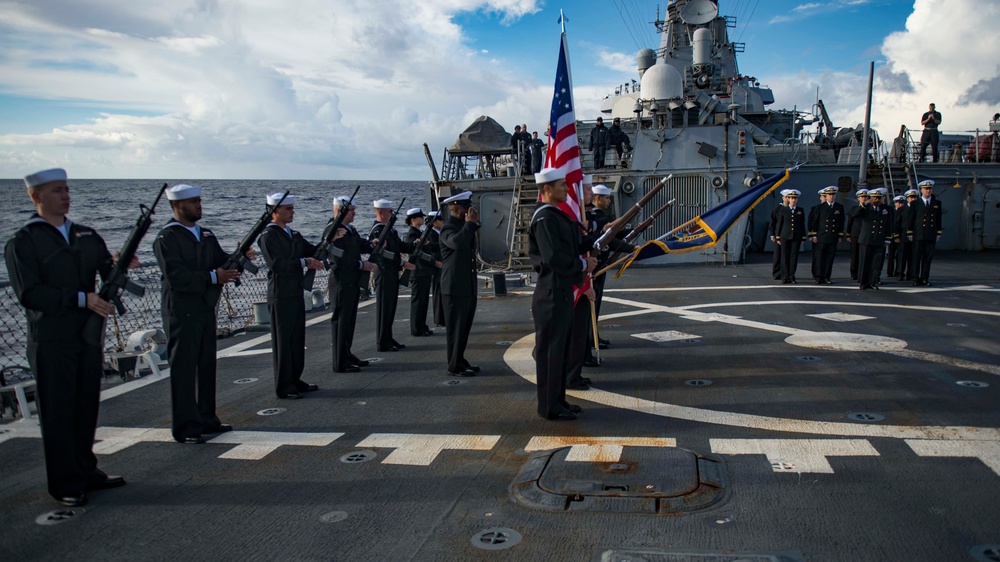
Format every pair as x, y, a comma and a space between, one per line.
603, 341
591, 362
586, 380
579, 385
473, 368
361, 363
223, 427
74, 501
390, 348
564, 415
351, 369
196, 440
306, 387
786, 282
290, 396
462, 373
573, 408
398, 345
107, 483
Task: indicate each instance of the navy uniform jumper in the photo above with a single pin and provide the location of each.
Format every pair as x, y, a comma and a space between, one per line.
459, 286
345, 288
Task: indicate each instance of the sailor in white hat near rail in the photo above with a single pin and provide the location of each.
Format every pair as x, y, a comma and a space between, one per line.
53, 263
287, 254
191, 261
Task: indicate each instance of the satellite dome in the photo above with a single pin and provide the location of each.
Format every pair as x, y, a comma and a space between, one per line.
662, 82
645, 59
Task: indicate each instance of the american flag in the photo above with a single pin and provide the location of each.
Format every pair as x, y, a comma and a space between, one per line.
564, 149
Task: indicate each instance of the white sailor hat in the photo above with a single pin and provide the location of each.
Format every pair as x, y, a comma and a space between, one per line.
415, 212
588, 179
341, 201
601, 189
434, 215
784, 192
861, 192
183, 191
548, 175
926, 183
794, 192
44, 177
911, 192
464, 198
382, 204
828, 190
273, 199
877, 192
899, 199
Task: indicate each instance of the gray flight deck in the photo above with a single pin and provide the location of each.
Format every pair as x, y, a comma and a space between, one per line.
734, 418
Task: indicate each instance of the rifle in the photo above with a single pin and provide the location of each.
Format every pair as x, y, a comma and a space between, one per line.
618, 224
118, 280
418, 253
238, 259
642, 227
377, 248
325, 249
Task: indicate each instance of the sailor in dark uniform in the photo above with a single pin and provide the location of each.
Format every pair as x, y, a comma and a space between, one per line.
904, 265
459, 282
790, 230
421, 278
892, 255
386, 277
600, 218
555, 246
346, 268
436, 222
924, 230
52, 263
285, 252
776, 255
192, 277
879, 201
826, 228
876, 233
853, 229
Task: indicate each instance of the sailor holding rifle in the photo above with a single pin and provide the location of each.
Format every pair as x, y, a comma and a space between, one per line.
386, 277
52, 263
286, 254
193, 271
436, 222
346, 269
421, 279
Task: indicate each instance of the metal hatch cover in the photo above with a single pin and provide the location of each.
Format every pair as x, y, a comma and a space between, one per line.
662, 480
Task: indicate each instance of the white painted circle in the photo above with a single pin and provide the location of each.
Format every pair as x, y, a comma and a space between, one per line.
842, 341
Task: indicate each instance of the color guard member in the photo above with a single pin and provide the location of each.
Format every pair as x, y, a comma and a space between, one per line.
346, 275
459, 281
422, 277
386, 277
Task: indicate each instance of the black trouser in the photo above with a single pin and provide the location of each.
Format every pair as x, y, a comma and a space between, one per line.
869, 260
191, 353
581, 340
460, 311
344, 299
68, 393
929, 136
552, 311
599, 157
438, 299
386, 298
904, 259
855, 255
891, 259
823, 255
923, 251
776, 261
789, 259
878, 263
420, 296
288, 342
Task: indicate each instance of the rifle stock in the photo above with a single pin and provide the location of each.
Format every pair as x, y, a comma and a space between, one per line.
238, 259
118, 280
326, 248
417, 253
618, 224
642, 227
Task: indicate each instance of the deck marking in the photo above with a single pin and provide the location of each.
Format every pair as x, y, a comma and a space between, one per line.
796, 455
113, 439
421, 449
840, 317
136, 384
518, 358
595, 449
986, 451
942, 289
662, 337
853, 287
255, 445
25, 429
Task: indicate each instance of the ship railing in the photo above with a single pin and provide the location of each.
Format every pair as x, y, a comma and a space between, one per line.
957, 147
235, 313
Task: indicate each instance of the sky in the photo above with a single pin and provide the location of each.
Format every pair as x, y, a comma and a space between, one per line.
352, 89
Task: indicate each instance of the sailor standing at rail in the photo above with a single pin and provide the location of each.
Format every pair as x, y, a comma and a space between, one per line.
790, 230
459, 281
435, 223
52, 263
826, 228
386, 277
192, 277
286, 254
346, 269
554, 245
924, 230
422, 277
853, 230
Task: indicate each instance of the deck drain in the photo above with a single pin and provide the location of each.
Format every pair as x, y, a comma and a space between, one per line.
271, 411
807, 358
497, 538
333, 517
358, 457
986, 552
58, 516
505, 342
866, 417
973, 384
698, 382
452, 382
247, 380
